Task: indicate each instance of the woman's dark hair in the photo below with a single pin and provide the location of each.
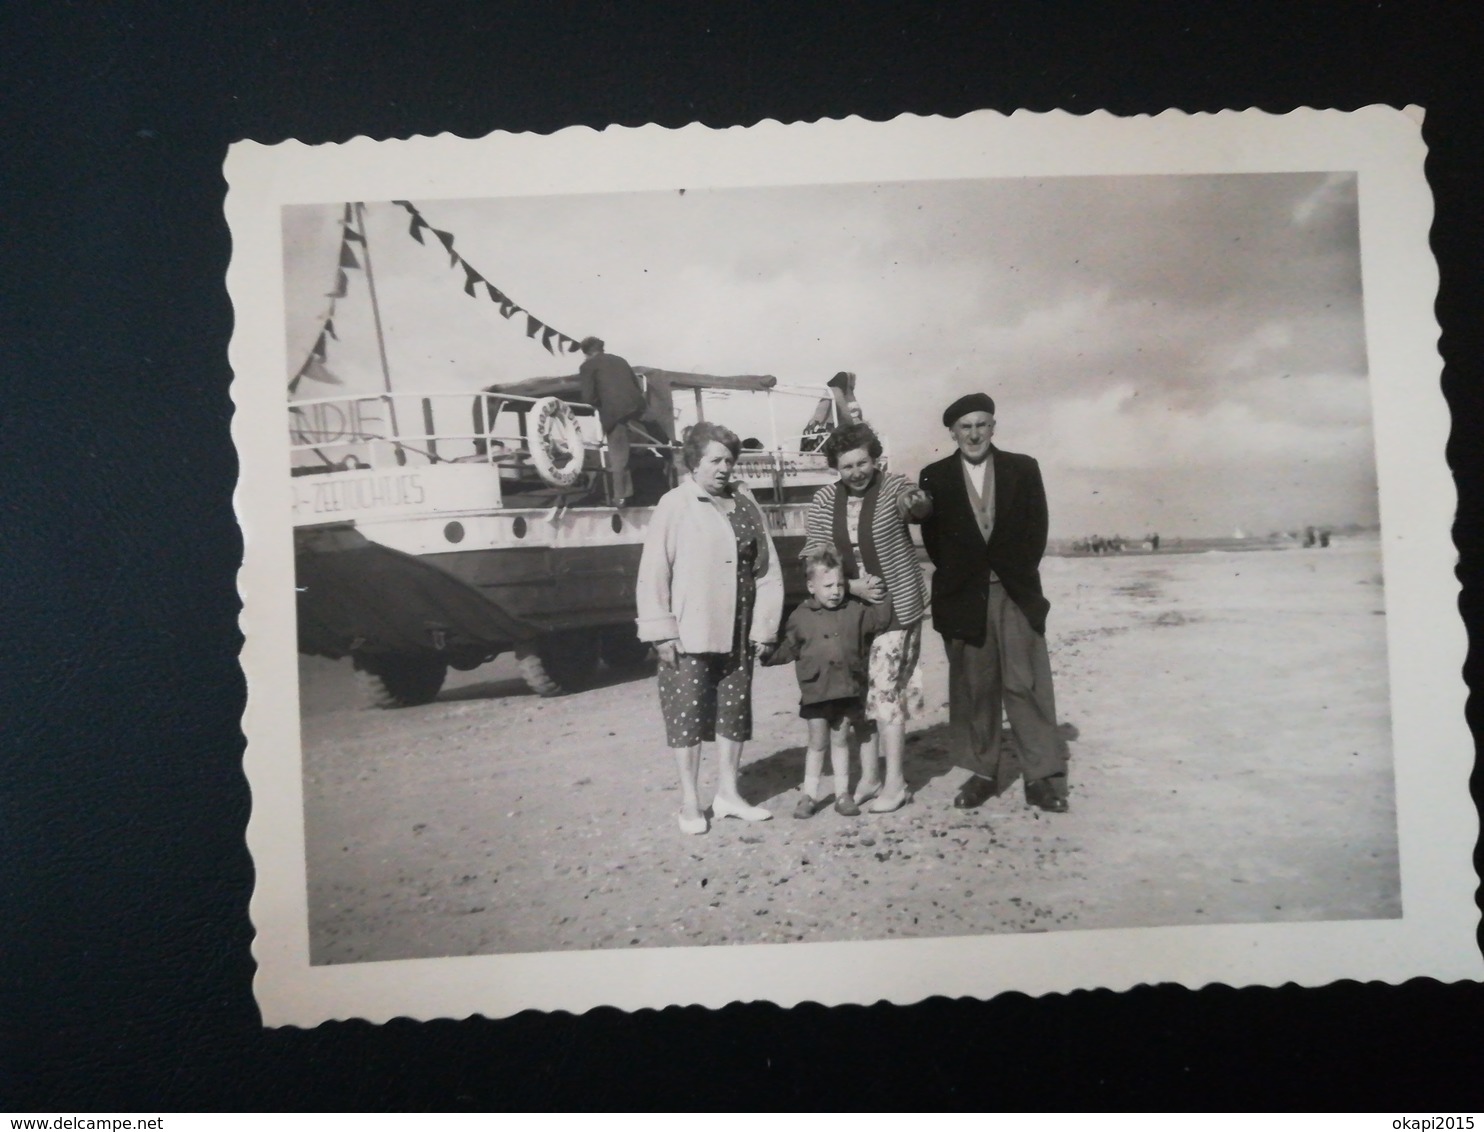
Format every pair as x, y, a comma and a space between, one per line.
848, 438
700, 438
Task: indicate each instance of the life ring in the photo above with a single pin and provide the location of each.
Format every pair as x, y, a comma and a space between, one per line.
556, 442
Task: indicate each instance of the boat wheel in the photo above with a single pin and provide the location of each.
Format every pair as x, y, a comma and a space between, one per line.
560, 662
622, 649
400, 679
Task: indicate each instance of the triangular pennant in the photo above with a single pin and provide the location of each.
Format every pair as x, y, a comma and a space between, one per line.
348, 257
415, 229
352, 234
444, 238
340, 284
407, 204
294, 385
496, 295
345, 218
546, 337
330, 329
532, 325
507, 308
471, 277
319, 347
315, 370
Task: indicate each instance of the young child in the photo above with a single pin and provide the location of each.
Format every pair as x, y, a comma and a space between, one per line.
829, 640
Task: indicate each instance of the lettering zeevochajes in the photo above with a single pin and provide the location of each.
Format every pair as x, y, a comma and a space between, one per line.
360, 494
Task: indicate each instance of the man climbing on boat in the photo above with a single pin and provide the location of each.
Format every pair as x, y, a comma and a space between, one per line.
609, 385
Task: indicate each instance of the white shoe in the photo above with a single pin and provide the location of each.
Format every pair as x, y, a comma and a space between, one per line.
890, 804
692, 825
721, 808
864, 793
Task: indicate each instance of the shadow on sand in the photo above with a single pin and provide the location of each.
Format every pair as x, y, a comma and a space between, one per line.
925, 758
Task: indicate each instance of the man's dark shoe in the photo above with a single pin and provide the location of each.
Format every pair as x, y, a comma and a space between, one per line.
1041, 794
974, 793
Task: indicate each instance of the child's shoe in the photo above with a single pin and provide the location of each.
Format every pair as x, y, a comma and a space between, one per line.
807, 807
845, 806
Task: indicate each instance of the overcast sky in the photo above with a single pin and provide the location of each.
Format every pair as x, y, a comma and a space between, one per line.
1184, 354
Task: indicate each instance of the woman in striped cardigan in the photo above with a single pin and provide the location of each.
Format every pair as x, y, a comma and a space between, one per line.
865, 517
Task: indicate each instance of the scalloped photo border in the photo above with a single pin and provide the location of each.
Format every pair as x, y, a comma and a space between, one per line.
1433, 749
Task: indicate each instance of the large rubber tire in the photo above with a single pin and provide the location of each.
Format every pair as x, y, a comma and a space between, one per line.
533, 672
400, 680
561, 662
622, 649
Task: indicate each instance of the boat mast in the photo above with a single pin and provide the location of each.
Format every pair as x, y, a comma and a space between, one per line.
386, 371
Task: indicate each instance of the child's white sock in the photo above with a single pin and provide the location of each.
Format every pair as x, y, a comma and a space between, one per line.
811, 786
842, 785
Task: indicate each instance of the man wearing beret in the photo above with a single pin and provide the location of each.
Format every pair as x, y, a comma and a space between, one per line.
986, 536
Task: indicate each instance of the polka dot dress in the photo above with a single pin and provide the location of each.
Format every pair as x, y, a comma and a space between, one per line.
710, 694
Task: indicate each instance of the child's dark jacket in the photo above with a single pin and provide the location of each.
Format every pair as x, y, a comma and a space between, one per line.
831, 648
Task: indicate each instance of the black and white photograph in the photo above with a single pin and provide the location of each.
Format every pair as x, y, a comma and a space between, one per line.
970, 559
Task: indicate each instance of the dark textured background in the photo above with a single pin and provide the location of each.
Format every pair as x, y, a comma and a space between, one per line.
125, 968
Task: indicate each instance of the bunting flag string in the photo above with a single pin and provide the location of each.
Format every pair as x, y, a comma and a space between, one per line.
536, 330
471, 277
314, 365
552, 340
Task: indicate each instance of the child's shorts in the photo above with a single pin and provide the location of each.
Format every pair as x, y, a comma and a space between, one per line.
835, 712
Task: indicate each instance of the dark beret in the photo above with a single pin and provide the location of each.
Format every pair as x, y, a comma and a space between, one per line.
971, 403
590, 340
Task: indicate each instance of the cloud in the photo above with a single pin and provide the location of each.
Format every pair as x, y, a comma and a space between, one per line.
1116, 429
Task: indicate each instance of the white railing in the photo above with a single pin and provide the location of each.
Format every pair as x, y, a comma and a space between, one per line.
399, 429
377, 429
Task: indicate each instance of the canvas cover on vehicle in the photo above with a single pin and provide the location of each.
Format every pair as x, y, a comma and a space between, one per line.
660, 385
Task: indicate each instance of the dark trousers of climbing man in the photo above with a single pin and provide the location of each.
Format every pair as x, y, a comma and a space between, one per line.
1010, 670
620, 482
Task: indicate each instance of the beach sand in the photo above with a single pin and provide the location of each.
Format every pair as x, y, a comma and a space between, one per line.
1234, 765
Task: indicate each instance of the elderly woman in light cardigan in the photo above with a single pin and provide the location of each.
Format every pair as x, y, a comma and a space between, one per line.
865, 516
710, 596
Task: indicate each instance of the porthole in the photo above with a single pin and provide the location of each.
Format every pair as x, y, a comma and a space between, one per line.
519, 527
616, 523
454, 532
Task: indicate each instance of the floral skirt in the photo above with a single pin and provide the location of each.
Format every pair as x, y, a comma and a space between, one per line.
895, 692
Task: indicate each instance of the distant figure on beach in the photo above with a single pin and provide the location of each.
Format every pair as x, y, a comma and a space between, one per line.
1323, 537
1154, 541
828, 639
986, 536
607, 383
864, 516
1309, 537
710, 596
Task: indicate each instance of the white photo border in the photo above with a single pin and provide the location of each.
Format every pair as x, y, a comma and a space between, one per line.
1433, 749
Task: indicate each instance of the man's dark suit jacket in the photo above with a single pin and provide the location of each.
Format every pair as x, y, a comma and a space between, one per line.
607, 382
961, 558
